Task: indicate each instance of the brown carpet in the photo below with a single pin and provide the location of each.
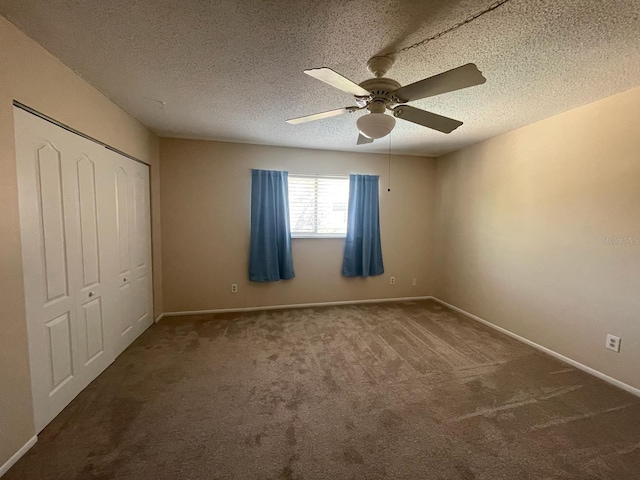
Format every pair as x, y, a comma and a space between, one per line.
393, 391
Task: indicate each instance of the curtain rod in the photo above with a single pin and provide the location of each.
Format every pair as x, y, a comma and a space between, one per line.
312, 174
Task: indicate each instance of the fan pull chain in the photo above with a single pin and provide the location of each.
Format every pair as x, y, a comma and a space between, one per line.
389, 175
470, 19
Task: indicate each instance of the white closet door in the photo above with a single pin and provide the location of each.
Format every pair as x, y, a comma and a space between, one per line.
84, 218
134, 249
62, 238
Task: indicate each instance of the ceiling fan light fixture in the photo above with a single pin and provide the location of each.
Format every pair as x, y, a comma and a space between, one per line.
376, 125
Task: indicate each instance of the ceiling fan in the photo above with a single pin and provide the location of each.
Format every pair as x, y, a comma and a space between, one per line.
380, 94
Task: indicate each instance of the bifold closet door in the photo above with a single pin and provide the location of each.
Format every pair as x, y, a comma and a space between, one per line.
70, 220
131, 180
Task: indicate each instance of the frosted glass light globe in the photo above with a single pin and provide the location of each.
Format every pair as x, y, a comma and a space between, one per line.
376, 125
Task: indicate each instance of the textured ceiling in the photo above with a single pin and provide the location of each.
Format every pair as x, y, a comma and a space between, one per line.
231, 70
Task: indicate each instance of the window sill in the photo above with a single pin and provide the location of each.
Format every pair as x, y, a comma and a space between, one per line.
333, 235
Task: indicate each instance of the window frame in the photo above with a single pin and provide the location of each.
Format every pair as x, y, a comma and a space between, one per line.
317, 234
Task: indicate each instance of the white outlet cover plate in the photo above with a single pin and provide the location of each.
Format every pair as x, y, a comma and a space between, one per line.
613, 343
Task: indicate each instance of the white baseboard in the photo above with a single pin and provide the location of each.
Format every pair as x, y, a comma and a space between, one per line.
553, 353
297, 305
18, 455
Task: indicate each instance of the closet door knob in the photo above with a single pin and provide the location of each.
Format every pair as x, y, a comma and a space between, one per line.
91, 294
124, 279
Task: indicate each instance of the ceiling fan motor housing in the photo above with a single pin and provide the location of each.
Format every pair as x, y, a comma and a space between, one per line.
380, 89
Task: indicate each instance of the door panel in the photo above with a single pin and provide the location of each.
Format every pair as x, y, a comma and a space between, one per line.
88, 221
94, 339
48, 241
139, 192
126, 315
93, 256
142, 246
122, 198
132, 183
142, 298
126, 231
52, 221
60, 351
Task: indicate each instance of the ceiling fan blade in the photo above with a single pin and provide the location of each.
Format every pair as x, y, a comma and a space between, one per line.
336, 80
456, 79
318, 116
362, 139
426, 119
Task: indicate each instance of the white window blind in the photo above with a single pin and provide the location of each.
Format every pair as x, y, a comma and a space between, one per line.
318, 205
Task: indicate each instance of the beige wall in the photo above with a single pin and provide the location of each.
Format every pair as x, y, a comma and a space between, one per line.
32, 76
522, 219
205, 190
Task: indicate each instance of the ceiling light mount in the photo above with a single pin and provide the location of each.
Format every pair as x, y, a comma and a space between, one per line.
379, 66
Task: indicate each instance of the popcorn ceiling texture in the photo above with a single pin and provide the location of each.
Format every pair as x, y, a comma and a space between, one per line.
232, 70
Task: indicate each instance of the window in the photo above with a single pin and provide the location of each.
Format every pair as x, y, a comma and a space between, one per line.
318, 205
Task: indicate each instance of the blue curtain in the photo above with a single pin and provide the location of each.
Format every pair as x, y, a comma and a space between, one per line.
362, 248
270, 256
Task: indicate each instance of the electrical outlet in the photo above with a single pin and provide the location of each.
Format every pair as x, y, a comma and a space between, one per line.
234, 288
392, 280
613, 343
414, 281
